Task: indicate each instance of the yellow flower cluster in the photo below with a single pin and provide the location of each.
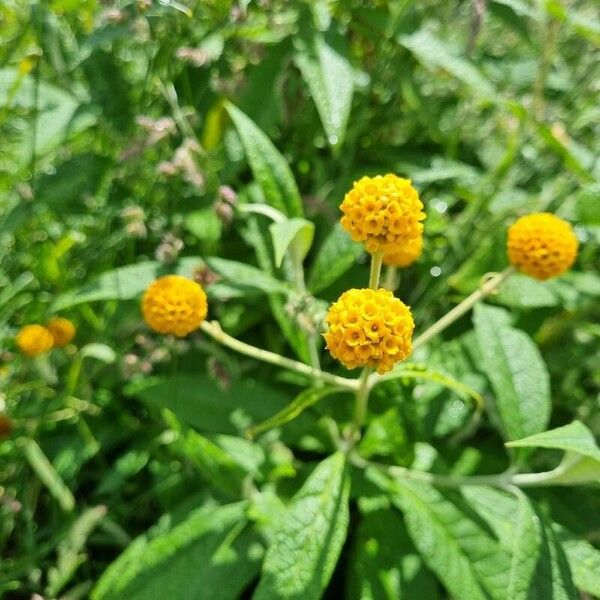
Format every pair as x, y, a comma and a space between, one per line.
34, 340
369, 328
382, 210
542, 245
403, 255
175, 305
62, 330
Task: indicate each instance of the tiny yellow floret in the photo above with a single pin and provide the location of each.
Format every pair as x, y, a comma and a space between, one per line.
542, 245
34, 340
369, 328
382, 210
62, 330
175, 305
403, 255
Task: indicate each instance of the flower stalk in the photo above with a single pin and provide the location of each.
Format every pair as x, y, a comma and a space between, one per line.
485, 289
213, 329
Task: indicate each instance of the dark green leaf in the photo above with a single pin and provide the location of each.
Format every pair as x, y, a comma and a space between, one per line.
309, 538
516, 371
270, 169
336, 255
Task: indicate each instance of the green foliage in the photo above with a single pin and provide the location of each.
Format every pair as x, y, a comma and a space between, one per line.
216, 140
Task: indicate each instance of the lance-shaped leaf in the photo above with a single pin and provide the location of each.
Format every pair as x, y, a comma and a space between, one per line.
324, 64
309, 538
297, 406
208, 556
525, 550
454, 543
269, 167
581, 462
500, 510
517, 372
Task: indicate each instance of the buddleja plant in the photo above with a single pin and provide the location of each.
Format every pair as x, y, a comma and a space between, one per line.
480, 535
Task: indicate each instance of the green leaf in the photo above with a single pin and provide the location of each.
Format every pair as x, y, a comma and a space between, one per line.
521, 291
203, 403
297, 406
309, 538
525, 550
553, 579
124, 283
269, 167
384, 564
100, 352
517, 372
499, 508
337, 254
581, 462
588, 205
326, 69
453, 543
386, 435
48, 475
583, 558
437, 55
69, 550
196, 560
294, 234
240, 274
216, 465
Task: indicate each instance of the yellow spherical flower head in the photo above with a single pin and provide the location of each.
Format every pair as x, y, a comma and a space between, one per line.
542, 245
33, 340
174, 304
382, 210
369, 328
62, 330
403, 254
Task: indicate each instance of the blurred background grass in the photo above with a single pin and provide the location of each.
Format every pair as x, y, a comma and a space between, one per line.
117, 149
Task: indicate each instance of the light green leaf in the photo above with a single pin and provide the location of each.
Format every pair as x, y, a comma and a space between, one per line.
48, 475
462, 553
588, 205
70, 555
583, 558
516, 371
435, 54
242, 275
297, 406
581, 462
524, 292
525, 550
269, 167
384, 564
196, 560
336, 255
294, 234
309, 538
100, 352
326, 69
203, 403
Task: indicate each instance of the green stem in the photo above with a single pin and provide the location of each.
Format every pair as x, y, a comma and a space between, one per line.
459, 310
213, 329
391, 279
360, 407
376, 261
